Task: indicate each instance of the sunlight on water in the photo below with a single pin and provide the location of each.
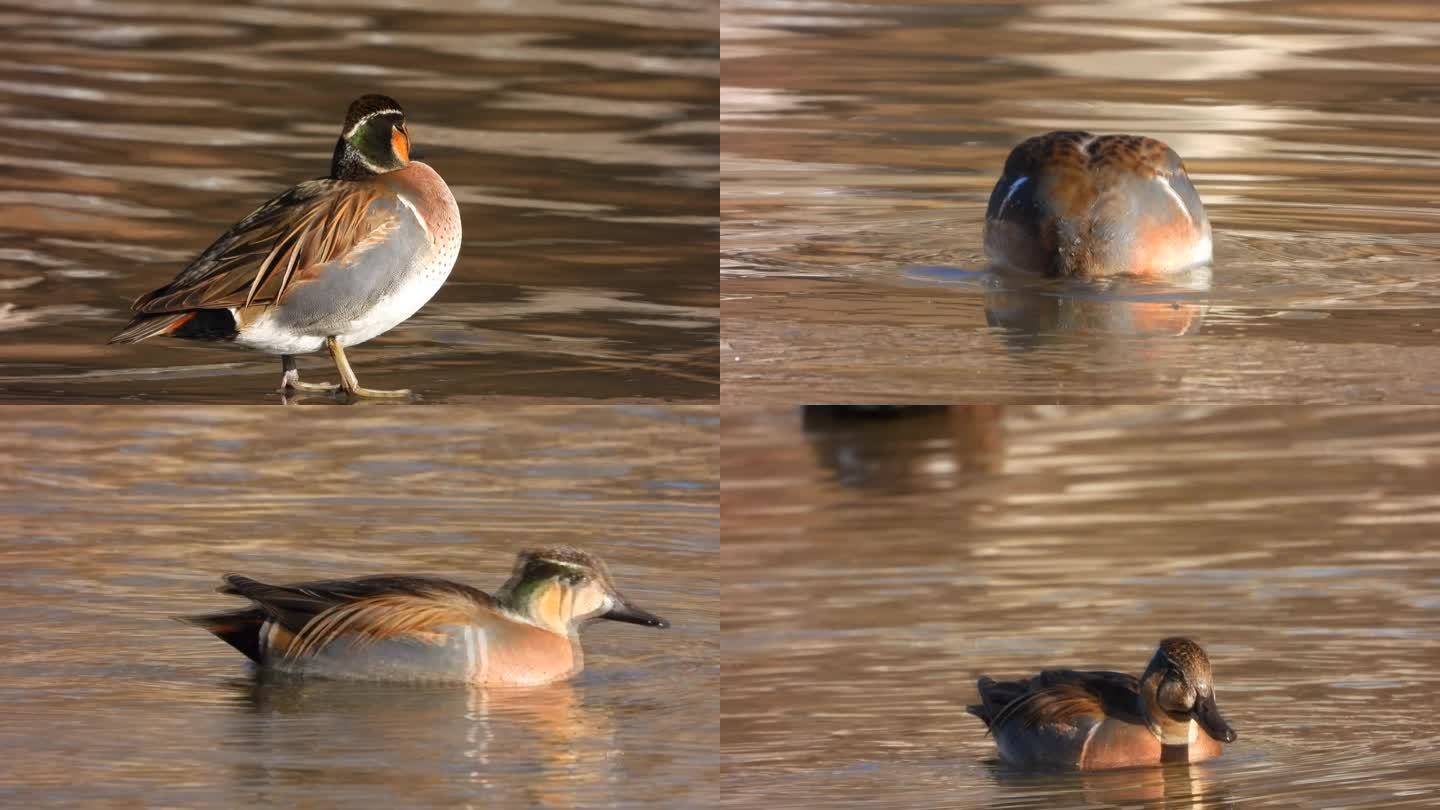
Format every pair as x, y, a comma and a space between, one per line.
117, 520
860, 140
877, 563
578, 138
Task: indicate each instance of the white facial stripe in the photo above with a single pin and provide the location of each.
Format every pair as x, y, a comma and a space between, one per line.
371, 166
1014, 187
1174, 195
361, 122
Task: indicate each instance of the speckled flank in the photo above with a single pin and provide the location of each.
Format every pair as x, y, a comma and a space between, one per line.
427, 199
1074, 204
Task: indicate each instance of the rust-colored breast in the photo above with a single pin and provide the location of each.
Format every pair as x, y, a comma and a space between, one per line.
1118, 744
521, 655
1077, 204
1205, 747
423, 188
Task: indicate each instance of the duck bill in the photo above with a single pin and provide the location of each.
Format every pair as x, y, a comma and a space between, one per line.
623, 612
1207, 714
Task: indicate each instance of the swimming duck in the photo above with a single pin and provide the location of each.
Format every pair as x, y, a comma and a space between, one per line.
1065, 718
391, 627
332, 262
1077, 205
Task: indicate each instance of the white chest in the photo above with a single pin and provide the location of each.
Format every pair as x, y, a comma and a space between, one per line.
353, 316
396, 307
421, 281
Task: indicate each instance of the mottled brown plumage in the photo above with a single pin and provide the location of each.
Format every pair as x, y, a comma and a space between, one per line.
1096, 719
1078, 205
254, 263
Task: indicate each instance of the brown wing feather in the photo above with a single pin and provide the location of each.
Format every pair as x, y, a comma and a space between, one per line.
384, 617
1061, 704
1056, 697
256, 261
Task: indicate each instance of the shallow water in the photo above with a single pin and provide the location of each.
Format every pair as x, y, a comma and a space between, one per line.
113, 521
860, 142
578, 138
875, 567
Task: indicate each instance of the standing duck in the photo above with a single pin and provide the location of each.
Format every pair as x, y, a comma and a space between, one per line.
331, 262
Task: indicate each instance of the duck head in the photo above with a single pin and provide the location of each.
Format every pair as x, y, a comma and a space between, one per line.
561, 587
1076, 205
1178, 694
373, 140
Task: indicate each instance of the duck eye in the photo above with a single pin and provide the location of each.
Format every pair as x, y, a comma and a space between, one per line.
1176, 696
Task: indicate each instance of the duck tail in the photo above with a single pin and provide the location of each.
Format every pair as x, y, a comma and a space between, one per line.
196, 324
148, 326
982, 709
238, 628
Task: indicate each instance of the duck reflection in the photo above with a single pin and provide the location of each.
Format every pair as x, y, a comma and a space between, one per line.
1031, 307
906, 448
1178, 786
435, 741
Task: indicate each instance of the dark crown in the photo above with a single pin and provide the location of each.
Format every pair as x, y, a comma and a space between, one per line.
369, 105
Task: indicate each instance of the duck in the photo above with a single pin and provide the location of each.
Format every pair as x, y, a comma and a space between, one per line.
1092, 720
1070, 204
328, 263
422, 628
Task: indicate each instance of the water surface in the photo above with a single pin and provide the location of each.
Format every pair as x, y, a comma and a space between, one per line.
578, 138
112, 522
875, 567
860, 142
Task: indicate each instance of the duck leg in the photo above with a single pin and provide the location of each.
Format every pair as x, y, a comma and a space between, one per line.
291, 380
349, 382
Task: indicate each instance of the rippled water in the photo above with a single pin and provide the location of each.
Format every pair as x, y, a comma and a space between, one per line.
861, 140
113, 521
874, 567
579, 139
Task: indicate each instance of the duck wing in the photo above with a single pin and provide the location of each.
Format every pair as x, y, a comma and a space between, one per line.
1057, 697
365, 608
258, 259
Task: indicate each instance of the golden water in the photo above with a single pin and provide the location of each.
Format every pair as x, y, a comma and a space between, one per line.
114, 521
860, 142
578, 138
875, 567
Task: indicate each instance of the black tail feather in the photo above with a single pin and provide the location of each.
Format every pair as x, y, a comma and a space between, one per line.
148, 326
238, 628
199, 324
